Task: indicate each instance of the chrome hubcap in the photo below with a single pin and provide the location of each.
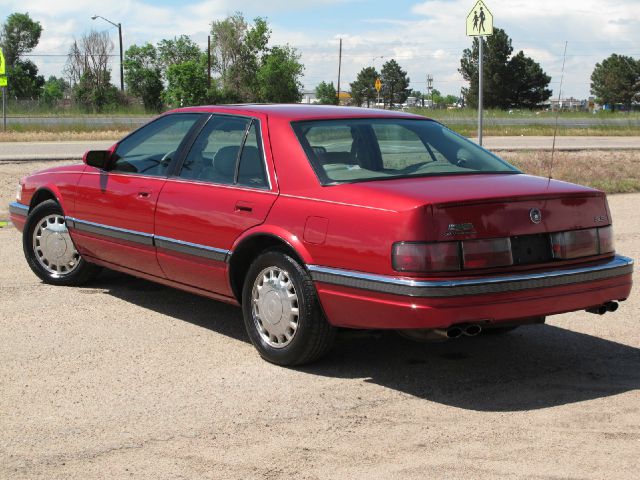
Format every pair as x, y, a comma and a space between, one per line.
275, 307
53, 247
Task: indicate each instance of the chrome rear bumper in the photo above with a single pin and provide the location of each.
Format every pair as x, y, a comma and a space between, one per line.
617, 266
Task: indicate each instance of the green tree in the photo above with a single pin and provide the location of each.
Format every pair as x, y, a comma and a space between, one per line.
23, 80
497, 50
326, 94
186, 84
528, 86
177, 50
395, 83
53, 90
96, 94
237, 54
18, 36
508, 81
279, 76
143, 75
363, 89
616, 80
450, 100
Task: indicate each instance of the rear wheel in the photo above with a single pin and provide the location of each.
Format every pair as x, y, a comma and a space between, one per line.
49, 250
281, 311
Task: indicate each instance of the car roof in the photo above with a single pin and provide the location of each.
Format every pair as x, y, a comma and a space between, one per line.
299, 111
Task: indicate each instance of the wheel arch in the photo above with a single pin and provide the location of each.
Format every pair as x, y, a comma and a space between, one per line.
249, 246
43, 194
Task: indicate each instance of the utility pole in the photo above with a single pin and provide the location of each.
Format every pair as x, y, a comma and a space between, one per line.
121, 65
430, 88
209, 61
339, 68
119, 25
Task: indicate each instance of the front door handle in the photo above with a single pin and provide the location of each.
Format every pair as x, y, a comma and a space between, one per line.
144, 194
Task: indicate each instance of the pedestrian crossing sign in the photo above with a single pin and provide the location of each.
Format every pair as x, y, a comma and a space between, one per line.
479, 21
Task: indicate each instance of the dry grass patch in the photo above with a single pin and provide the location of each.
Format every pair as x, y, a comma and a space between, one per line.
546, 130
612, 171
49, 136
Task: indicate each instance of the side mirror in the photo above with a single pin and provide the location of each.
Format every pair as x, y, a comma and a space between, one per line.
97, 158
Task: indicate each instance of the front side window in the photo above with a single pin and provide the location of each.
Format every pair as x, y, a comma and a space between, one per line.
354, 150
149, 151
227, 151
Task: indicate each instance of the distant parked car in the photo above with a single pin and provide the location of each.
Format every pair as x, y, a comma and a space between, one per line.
313, 218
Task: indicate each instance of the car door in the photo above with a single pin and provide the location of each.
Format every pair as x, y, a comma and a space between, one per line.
222, 189
114, 211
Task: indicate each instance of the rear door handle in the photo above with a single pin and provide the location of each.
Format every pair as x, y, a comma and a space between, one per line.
244, 207
144, 194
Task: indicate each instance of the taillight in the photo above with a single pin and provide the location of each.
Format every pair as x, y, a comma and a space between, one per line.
574, 244
605, 239
495, 252
425, 257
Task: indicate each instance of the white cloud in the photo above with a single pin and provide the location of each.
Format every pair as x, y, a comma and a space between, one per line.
429, 38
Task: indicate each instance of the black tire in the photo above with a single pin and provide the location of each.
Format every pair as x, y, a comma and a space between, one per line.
313, 336
80, 272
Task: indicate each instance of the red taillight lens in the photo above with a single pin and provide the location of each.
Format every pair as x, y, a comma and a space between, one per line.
495, 252
605, 240
425, 257
574, 244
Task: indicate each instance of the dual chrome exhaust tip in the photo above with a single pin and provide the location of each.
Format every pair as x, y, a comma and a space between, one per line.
470, 330
604, 308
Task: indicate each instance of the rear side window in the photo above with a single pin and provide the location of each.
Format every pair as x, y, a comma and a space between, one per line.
149, 151
228, 152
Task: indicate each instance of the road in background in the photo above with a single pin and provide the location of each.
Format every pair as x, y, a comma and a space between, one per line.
488, 120
73, 150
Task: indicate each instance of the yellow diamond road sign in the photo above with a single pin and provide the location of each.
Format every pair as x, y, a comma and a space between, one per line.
2, 65
479, 21
378, 84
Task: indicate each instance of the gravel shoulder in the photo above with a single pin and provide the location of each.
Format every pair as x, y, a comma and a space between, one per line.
127, 378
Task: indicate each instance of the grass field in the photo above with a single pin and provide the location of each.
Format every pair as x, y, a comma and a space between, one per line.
611, 171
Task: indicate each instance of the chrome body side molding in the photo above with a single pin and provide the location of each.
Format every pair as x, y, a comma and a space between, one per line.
191, 248
16, 208
149, 239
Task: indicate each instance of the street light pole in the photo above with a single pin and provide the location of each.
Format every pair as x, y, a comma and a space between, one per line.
119, 25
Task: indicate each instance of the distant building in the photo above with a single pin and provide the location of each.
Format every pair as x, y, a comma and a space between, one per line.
309, 96
570, 104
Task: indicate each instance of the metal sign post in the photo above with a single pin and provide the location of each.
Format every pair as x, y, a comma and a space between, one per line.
4, 109
480, 75
378, 86
480, 24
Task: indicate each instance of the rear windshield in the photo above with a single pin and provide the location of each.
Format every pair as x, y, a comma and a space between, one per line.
355, 150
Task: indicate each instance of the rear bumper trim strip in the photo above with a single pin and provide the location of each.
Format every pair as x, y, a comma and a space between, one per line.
617, 266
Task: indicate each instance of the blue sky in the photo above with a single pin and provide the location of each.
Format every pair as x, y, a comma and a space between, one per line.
425, 37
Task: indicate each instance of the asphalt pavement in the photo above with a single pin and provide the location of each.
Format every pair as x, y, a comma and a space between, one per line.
73, 150
123, 378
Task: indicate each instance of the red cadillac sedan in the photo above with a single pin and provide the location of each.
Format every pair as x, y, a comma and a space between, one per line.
313, 218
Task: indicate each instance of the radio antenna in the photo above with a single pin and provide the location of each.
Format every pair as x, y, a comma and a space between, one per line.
555, 129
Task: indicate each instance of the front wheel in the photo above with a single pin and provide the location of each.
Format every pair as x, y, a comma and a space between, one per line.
49, 250
281, 311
